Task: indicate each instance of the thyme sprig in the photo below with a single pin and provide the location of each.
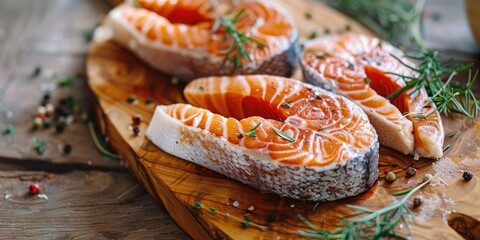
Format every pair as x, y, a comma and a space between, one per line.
371, 224
240, 41
399, 22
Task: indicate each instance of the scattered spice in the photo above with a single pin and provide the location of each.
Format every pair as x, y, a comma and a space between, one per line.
42, 196
137, 119
467, 175
287, 104
251, 208
37, 123
47, 122
312, 35
131, 99
367, 80
326, 30
34, 189
411, 171
59, 128
283, 135
318, 96
8, 131
49, 109
67, 149
37, 70
417, 201
251, 132
136, 130
148, 101
271, 217
174, 81
390, 177
65, 82
308, 15
321, 129
236, 204
240, 135
39, 145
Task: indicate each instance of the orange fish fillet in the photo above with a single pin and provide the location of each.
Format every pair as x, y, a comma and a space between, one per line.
276, 134
178, 36
358, 67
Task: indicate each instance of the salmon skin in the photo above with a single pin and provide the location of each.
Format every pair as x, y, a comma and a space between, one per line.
359, 68
276, 134
179, 37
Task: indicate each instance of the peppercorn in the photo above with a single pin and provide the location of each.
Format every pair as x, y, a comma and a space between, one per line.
427, 177
59, 128
240, 135
271, 217
136, 130
41, 110
137, 119
37, 123
411, 171
148, 101
131, 99
417, 201
67, 149
390, 177
84, 117
37, 70
47, 122
467, 175
34, 189
50, 109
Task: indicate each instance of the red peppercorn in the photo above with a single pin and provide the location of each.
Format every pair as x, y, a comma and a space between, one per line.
34, 189
136, 119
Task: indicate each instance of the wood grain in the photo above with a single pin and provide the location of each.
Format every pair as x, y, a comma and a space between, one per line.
75, 210
114, 74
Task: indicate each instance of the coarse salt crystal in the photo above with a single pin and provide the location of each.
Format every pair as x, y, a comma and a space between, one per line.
42, 196
236, 204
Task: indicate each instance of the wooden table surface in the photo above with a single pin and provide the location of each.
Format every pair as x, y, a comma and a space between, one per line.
90, 195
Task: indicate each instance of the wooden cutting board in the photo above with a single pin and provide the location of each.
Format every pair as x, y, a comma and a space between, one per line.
114, 74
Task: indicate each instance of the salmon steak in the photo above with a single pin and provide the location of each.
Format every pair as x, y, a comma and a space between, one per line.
367, 71
185, 38
276, 134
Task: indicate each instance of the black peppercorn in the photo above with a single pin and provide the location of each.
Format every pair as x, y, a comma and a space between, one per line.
467, 175
136, 130
59, 128
411, 171
240, 135
67, 149
271, 217
37, 70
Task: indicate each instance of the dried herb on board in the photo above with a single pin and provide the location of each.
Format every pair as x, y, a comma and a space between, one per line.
370, 224
245, 222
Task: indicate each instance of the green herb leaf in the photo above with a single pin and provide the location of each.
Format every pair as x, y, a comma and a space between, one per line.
251, 132
283, 135
65, 82
197, 205
212, 210
246, 222
287, 104
367, 80
321, 56
39, 145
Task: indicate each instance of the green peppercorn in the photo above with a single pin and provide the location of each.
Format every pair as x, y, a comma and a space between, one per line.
37, 123
467, 175
390, 177
411, 171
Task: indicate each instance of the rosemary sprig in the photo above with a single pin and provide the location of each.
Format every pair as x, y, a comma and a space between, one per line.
244, 222
240, 41
399, 22
283, 135
251, 132
377, 224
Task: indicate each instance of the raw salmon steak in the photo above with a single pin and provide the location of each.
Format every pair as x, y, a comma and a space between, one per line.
180, 37
360, 68
276, 134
